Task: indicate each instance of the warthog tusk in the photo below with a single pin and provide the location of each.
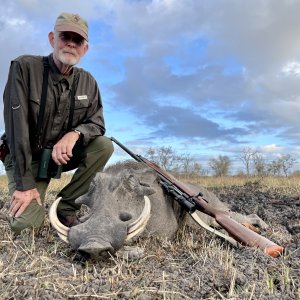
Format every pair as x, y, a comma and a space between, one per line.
133, 229
214, 231
140, 223
61, 229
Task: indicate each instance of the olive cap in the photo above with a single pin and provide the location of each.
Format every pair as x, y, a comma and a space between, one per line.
73, 23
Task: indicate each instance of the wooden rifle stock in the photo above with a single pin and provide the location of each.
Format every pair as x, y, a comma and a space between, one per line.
193, 202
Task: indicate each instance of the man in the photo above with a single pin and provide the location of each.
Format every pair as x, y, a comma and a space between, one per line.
50, 105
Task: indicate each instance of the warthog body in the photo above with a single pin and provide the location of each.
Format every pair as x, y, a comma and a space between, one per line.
116, 199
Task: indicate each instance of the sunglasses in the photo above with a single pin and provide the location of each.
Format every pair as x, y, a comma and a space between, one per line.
75, 38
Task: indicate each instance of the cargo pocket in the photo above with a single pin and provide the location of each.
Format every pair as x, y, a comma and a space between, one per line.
33, 216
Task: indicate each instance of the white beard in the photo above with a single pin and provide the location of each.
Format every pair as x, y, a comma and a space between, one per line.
67, 59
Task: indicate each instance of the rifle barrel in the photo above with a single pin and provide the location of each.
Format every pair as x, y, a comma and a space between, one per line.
136, 157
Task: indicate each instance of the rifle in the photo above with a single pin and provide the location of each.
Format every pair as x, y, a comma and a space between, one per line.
191, 203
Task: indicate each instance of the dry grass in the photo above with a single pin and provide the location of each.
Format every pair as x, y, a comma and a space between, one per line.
286, 183
194, 265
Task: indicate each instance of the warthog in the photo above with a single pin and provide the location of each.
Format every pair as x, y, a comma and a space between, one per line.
126, 201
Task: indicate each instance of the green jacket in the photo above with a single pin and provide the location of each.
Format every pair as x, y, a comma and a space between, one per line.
22, 96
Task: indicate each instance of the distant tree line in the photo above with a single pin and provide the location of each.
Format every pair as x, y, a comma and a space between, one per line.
168, 159
255, 164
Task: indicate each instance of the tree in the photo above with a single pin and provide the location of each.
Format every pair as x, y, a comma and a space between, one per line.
165, 157
220, 165
260, 165
274, 167
151, 154
188, 165
287, 162
247, 155
185, 163
197, 169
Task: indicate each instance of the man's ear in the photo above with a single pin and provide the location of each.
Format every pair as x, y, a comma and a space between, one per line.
51, 38
86, 48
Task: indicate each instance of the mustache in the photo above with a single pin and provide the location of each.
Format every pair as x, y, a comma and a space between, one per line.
69, 52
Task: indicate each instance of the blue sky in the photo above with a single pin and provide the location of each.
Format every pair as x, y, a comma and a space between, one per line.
205, 77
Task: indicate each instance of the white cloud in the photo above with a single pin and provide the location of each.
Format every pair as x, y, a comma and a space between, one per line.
14, 22
270, 148
292, 68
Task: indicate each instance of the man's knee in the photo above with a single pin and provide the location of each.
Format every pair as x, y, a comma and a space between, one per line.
98, 152
101, 144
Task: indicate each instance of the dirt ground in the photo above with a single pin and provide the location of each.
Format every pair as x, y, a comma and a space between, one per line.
195, 265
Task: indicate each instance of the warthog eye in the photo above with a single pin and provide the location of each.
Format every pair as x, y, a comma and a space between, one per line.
125, 216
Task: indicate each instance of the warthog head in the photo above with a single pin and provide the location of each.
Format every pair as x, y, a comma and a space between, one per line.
123, 202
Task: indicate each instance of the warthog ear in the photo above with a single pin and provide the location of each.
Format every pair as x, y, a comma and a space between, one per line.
129, 181
133, 183
147, 189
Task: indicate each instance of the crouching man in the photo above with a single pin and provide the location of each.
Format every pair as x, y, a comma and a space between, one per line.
54, 122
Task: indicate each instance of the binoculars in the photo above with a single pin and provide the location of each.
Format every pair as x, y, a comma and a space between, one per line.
47, 167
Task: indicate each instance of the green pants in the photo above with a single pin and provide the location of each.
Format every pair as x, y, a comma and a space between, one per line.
88, 160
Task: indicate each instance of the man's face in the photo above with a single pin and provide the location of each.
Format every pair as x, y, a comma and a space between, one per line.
68, 47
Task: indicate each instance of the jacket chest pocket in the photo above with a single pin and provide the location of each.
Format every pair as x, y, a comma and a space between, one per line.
80, 109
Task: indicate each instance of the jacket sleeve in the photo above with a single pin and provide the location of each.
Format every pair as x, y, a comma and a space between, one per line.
93, 124
17, 127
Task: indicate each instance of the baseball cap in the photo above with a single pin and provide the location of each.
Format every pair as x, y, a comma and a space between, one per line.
73, 23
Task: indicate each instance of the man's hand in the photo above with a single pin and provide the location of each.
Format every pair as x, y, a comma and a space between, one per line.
62, 150
21, 199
